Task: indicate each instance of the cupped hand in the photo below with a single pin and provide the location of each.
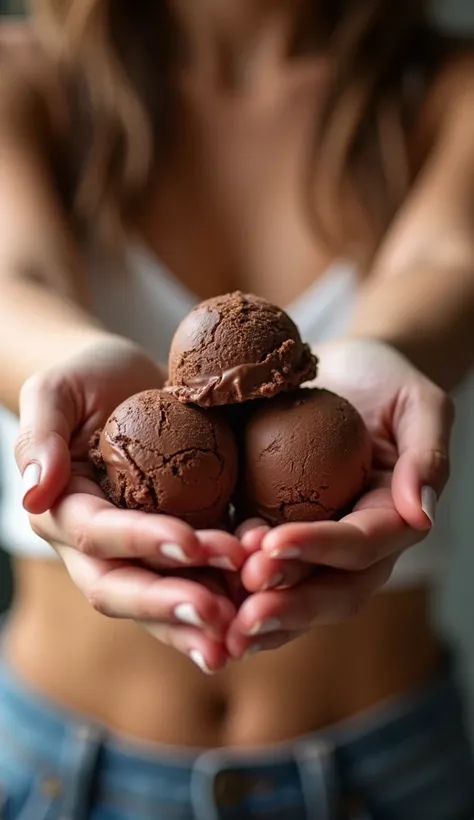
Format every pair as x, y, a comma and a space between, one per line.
122, 560
302, 575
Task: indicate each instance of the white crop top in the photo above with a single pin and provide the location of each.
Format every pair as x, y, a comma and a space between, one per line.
145, 304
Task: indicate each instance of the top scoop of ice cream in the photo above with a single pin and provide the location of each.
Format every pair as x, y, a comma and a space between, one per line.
307, 457
237, 347
158, 455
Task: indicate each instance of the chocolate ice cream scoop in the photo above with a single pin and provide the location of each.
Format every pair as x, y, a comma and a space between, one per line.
237, 347
307, 456
158, 455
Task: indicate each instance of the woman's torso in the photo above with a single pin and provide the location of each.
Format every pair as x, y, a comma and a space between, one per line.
229, 213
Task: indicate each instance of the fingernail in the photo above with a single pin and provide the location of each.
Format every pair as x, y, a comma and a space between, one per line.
286, 552
274, 582
198, 658
175, 553
187, 614
31, 477
252, 650
221, 562
265, 627
429, 501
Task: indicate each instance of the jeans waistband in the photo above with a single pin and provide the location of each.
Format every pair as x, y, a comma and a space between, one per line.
29, 717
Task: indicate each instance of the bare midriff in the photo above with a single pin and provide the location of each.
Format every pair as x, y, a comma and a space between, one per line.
115, 672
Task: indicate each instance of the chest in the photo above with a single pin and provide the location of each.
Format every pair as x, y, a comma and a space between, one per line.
232, 208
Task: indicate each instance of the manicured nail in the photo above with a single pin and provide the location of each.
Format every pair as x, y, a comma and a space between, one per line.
221, 562
274, 582
286, 552
429, 501
187, 614
198, 658
175, 553
265, 627
252, 650
31, 477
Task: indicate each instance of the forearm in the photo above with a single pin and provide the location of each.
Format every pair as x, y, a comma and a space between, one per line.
38, 328
427, 315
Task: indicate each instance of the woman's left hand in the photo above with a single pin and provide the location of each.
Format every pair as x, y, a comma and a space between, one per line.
304, 575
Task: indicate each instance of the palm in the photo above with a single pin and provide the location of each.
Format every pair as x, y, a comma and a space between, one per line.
373, 379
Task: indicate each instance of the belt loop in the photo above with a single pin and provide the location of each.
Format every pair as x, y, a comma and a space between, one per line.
84, 749
316, 765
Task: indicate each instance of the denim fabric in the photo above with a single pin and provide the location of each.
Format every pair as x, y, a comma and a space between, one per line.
405, 760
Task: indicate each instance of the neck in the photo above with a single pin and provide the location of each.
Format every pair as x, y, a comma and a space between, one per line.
230, 38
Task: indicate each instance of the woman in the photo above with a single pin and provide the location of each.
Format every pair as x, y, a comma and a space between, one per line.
243, 144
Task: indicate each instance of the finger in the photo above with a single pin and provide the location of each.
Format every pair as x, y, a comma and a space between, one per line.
221, 549
328, 598
363, 538
208, 655
47, 418
96, 528
121, 590
261, 573
422, 425
251, 534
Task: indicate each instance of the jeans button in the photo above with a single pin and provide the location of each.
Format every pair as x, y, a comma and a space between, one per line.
230, 788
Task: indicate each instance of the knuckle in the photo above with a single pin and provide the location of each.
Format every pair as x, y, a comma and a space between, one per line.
23, 446
98, 600
84, 543
133, 545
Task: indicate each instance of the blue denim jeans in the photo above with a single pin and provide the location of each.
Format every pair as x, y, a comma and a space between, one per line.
407, 759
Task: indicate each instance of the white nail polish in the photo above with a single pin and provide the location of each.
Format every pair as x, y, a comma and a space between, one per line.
266, 627
221, 562
287, 552
198, 658
274, 582
31, 477
175, 553
187, 614
429, 501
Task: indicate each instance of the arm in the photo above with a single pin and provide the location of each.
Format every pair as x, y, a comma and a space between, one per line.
420, 296
43, 314
65, 374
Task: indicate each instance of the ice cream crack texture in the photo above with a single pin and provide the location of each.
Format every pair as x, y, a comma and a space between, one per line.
237, 365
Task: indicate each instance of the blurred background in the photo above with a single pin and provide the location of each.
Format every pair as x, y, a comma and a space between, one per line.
454, 607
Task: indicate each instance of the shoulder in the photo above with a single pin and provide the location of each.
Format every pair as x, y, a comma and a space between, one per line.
31, 90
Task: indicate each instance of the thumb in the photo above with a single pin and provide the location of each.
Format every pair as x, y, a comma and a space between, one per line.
47, 419
422, 425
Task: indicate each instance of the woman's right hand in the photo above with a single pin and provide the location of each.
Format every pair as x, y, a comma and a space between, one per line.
105, 549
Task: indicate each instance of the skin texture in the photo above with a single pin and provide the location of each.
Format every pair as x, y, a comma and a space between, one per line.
232, 225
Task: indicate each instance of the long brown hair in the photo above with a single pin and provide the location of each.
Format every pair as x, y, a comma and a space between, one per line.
115, 54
